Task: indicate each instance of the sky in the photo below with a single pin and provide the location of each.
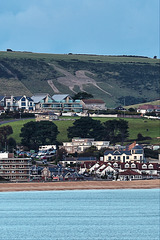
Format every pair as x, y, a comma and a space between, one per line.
102, 27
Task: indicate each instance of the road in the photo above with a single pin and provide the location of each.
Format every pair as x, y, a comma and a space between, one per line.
14, 120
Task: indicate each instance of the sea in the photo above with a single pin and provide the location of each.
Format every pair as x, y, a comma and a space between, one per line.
132, 214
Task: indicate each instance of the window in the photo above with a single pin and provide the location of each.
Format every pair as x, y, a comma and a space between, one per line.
133, 165
115, 165
126, 165
135, 157
109, 158
139, 151
144, 166
119, 158
150, 166
127, 157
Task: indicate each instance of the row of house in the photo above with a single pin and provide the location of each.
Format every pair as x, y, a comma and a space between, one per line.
133, 152
20, 169
116, 161
148, 108
99, 169
121, 171
44, 102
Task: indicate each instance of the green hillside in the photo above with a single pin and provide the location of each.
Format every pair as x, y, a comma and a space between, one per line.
147, 127
111, 78
157, 102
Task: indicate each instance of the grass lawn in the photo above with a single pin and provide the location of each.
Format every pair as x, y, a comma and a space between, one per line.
147, 127
150, 128
62, 128
16, 126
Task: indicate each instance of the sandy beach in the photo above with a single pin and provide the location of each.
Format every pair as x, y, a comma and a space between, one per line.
80, 185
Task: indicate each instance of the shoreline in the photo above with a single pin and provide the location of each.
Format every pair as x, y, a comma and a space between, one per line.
79, 185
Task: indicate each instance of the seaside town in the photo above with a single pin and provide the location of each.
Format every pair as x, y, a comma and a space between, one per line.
82, 158
79, 120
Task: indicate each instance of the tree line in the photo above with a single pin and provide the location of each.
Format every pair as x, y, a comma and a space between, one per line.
33, 134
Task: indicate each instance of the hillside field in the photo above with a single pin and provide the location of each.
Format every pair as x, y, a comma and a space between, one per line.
114, 79
150, 128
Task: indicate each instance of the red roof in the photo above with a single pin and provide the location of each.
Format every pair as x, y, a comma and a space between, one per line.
129, 172
149, 106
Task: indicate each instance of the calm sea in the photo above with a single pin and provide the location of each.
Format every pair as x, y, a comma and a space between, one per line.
79, 215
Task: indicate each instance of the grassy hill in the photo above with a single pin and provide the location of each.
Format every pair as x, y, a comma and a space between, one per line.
111, 78
148, 128
157, 102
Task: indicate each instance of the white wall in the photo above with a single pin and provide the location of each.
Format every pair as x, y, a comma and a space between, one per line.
3, 155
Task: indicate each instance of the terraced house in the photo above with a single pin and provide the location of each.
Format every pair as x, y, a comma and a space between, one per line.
56, 103
67, 103
129, 170
43, 102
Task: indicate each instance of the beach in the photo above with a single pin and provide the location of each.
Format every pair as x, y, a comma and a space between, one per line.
79, 185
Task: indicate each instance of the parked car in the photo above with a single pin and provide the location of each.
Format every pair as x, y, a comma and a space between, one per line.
33, 155
44, 161
86, 174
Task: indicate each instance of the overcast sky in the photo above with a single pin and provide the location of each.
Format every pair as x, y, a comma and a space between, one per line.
109, 27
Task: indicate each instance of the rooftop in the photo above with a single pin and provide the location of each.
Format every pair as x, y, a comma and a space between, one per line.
38, 97
59, 97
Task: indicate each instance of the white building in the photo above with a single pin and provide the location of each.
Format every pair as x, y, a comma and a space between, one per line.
80, 144
136, 153
24, 102
93, 104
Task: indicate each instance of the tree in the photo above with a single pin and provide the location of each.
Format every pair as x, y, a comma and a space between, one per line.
88, 152
116, 130
82, 95
86, 127
61, 153
35, 134
151, 153
11, 143
140, 137
4, 133
131, 110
